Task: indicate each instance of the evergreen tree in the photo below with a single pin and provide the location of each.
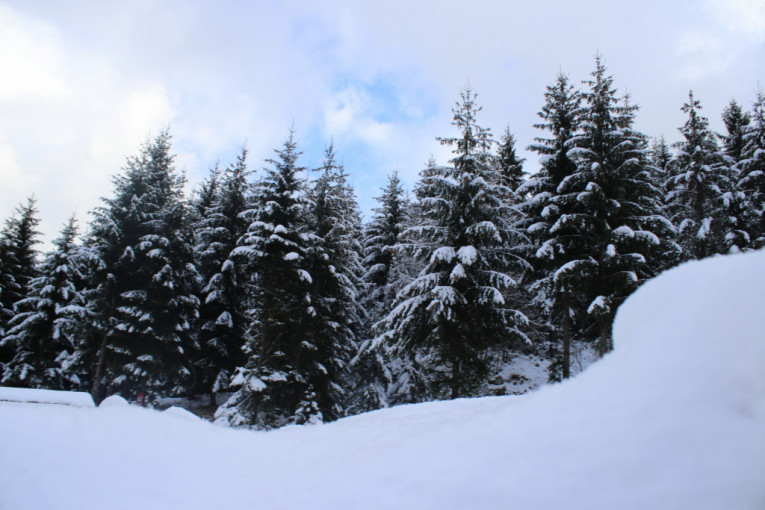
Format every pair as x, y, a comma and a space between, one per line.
18, 266
611, 221
455, 309
698, 179
510, 166
272, 390
736, 123
221, 202
145, 278
334, 262
543, 208
661, 155
381, 236
752, 176
44, 331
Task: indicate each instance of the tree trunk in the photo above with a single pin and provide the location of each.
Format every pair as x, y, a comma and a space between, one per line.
566, 362
96, 391
604, 342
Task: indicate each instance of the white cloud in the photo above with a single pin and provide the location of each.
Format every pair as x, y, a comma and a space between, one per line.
742, 17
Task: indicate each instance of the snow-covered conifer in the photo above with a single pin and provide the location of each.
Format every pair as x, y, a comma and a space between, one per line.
697, 182
271, 385
456, 308
752, 174
45, 329
145, 278
221, 202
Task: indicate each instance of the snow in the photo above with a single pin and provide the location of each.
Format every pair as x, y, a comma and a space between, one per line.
113, 401
674, 418
181, 413
467, 255
69, 398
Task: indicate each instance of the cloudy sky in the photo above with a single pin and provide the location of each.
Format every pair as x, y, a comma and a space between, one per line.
83, 84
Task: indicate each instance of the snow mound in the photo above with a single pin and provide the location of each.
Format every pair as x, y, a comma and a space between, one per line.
114, 401
674, 418
32, 396
181, 413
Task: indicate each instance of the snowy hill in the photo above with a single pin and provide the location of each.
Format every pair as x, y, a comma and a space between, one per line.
674, 418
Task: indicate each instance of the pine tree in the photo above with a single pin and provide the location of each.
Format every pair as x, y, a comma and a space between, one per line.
611, 222
698, 179
145, 278
381, 236
510, 166
45, 329
736, 123
271, 387
18, 266
752, 176
221, 202
543, 208
334, 262
455, 309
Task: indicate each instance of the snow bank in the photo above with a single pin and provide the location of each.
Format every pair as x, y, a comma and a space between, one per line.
114, 401
674, 418
69, 398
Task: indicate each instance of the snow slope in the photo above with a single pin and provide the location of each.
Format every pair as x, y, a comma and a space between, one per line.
674, 418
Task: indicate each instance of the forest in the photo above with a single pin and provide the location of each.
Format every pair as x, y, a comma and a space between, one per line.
267, 292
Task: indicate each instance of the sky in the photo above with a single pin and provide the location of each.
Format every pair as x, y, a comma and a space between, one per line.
84, 83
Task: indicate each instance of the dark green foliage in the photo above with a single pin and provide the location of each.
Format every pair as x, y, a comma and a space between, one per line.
145, 278
273, 390
752, 175
45, 329
220, 203
18, 266
456, 309
697, 181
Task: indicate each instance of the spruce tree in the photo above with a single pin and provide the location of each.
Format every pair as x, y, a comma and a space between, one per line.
45, 329
334, 262
18, 266
381, 236
509, 165
221, 202
736, 123
543, 209
272, 390
455, 309
697, 181
145, 279
612, 221
752, 174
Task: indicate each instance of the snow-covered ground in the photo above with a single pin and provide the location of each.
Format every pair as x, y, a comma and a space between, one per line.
674, 418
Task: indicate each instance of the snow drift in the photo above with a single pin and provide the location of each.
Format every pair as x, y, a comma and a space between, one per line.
673, 418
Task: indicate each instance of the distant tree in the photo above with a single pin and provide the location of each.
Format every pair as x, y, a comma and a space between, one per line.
736, 123
455, 309
145, 278
510, 166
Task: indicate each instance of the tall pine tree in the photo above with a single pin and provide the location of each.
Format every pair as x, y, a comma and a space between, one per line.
145, 279
456, 309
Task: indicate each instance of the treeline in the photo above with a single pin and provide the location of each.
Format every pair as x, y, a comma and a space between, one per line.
270, 289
